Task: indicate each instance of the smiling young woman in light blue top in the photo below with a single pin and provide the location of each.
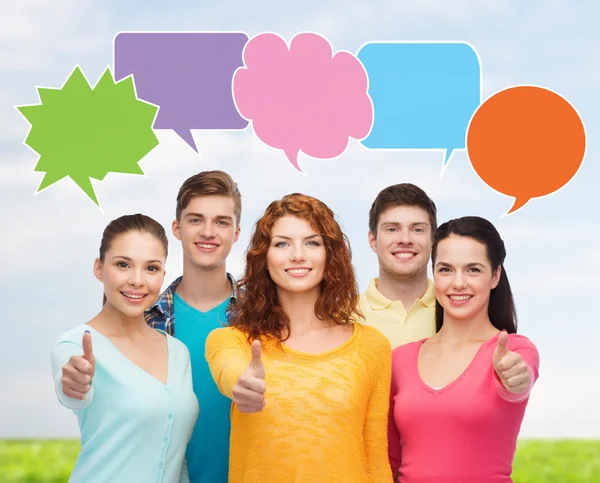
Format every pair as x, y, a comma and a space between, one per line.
129, 385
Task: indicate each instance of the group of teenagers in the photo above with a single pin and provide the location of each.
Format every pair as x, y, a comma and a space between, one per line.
290, 374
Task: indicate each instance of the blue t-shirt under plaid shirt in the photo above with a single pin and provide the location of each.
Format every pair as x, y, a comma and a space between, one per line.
208, 451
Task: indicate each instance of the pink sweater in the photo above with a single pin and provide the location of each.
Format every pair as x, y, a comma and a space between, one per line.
466, 432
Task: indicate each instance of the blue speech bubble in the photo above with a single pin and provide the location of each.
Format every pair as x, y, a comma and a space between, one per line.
424, 94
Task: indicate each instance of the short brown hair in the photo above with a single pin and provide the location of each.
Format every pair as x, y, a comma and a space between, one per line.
403, 194
209, 183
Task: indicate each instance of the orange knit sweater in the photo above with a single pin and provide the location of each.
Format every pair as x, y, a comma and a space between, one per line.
326, 414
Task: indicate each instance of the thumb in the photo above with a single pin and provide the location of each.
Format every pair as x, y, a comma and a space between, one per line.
256, 363
501, 349
88, 354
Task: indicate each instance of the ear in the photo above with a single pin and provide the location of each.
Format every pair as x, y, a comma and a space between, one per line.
372, 241
237, 234
175, 229
98, 269
496, 277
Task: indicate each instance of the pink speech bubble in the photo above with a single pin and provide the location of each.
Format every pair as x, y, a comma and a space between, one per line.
303, 98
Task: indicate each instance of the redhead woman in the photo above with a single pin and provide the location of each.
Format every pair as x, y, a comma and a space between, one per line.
309, 384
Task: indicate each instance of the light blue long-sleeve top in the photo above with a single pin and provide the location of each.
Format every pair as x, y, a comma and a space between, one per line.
133, 427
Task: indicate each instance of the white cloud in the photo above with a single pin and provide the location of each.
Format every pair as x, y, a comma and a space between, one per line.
30, 408
33, 32
563, 403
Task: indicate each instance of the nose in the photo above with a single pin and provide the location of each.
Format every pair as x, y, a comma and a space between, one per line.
297, 253
403, 237
459, 280
207, 230
136, 278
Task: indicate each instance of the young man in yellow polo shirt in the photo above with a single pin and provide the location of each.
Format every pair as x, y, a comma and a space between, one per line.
400, 302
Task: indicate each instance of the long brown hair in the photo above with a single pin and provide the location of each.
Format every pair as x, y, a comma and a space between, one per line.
129, 223
501, 308
258, 312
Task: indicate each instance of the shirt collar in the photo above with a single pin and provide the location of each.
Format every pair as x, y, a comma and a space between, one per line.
378, 301
165, 303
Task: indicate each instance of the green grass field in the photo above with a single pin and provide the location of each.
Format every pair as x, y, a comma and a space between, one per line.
34, 461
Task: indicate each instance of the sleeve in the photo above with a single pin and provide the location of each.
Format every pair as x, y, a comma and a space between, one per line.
528, 351
394, 451
228, 356
376, 420
61, 353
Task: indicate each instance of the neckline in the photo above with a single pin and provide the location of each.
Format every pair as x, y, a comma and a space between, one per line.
453, 383
133, 364
378, 301
325, 354
194, 310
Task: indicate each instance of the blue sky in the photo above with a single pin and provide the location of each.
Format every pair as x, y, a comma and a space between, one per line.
49, 241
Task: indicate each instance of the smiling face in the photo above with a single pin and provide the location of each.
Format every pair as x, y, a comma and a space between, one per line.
296, 256
132, 272
207, 230
403, 241
463, 277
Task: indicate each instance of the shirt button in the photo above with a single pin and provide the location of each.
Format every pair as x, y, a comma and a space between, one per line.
170, 416
160, 466
167, 390
166, 440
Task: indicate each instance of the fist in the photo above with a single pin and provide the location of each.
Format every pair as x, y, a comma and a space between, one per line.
249, 390
510, 366
77, 374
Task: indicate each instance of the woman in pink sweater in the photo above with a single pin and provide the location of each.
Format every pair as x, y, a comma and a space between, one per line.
459, 397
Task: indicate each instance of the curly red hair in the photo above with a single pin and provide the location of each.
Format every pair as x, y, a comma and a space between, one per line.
257, 311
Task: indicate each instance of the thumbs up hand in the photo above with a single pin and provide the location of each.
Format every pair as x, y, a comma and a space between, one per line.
249, 390
78, 372
510, 366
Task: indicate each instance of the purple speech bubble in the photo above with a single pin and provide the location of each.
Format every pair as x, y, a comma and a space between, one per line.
188, 75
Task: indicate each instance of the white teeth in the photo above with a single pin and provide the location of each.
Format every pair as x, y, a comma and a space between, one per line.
460, 298
298, 270
130, 296
404, 255
207, 246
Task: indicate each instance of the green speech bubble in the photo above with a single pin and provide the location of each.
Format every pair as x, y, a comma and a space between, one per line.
84, 132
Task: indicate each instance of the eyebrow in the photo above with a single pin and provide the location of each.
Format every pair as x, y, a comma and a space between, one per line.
123, 257
288, 238
395, 223
467, 265
200, 215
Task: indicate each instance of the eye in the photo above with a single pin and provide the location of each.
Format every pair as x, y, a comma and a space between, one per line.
390, 229
153, 268
280, 244
223, 223
443, 269
419, 230
194, 220
314, 243
473, 269
122, 265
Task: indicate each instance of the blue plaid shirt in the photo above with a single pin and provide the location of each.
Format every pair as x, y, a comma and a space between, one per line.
162, 314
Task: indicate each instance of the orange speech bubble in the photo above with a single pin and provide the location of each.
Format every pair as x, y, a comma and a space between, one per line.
526, 142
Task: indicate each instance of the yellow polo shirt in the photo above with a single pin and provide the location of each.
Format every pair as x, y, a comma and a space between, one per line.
392, 319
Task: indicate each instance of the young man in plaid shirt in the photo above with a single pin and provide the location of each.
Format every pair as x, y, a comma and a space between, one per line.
207, 223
